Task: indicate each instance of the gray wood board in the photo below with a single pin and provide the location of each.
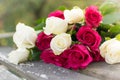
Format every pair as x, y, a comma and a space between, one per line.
7, 75
103, 71
38, 70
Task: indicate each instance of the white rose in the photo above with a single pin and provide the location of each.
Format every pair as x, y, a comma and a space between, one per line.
103, 47
25, 36
19, 55
55, 25
110, 50
73, 16
113, 52
60, 43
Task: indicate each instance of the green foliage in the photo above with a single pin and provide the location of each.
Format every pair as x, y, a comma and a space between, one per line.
107, 38
110, 10
41, 20
111, 15
62, 8
117, 37
103, 31
104, 27
108, 7
111, 18
114, 30
73, 36
40, 24
108, 31
103, 34
34, 54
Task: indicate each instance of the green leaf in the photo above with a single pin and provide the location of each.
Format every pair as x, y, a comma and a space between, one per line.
110, 10
104, 27
114, 30
74, 35
103, 34
117, 37
62, 8
109, 6
41, 20
41, 24
107, 38
34, 54
111, 18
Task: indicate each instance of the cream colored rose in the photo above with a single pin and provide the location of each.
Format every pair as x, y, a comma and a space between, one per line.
73, 16
60, 43
19, 55
103, 47
113, 53
110, 50
55, 25
25, 36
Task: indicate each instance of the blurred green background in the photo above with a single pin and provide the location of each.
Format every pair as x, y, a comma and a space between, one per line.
29, 11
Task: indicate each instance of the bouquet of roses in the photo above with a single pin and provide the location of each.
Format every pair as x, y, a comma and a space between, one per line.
70, 38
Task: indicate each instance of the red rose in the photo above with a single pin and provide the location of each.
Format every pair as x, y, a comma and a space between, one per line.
93, 16
89, 37
76, 57
43, 41
49, 57
96, 55
57, 13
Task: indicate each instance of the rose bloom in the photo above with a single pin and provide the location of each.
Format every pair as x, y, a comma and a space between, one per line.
95, 53
49, 57
89, 37
55, 25
25, 36
43, 41
110, 50
60, 43
57, 13
18, 55
92, 16
74, 15
103, 47
76, 57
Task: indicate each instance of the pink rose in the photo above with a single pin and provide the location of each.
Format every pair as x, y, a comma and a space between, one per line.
93, 16
96, 55
57, 13
76, 57
89, 37
43, 41
49, 57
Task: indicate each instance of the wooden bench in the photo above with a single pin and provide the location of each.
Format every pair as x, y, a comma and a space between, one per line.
39, 70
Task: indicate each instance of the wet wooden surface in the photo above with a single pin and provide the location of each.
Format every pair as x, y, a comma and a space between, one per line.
39, 70
7, 75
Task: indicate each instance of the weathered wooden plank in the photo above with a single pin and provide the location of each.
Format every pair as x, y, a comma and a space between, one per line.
103, 71
16, 69
99, 70
39, 70
7, 75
